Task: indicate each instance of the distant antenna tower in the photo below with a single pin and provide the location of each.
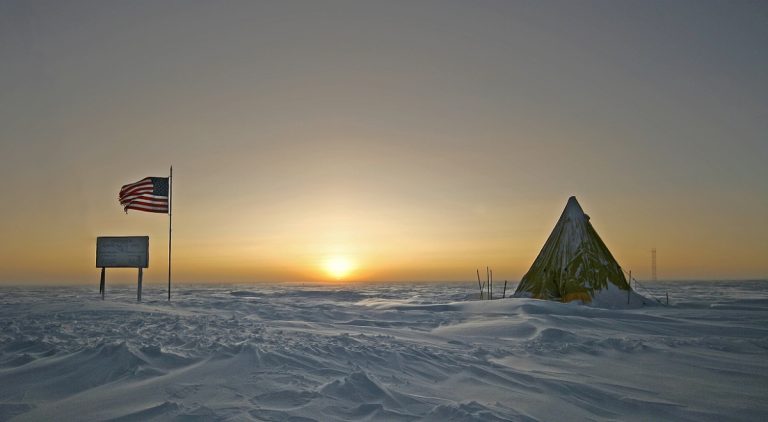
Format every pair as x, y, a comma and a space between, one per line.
653, 264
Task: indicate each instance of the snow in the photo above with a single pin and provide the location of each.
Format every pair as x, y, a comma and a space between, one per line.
386, 352
614, 298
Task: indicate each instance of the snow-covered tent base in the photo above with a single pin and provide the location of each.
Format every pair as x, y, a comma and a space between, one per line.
613, 297
575, 265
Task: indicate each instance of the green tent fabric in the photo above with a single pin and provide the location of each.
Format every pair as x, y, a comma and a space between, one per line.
574, 263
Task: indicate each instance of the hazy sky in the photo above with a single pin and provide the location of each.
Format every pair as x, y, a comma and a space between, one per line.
418, 140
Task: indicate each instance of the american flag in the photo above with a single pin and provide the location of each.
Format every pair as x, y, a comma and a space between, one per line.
149, 194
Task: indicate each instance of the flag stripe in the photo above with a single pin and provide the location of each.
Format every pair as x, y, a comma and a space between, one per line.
130, 185
142, 195
137, 189
147, 201
140, 182
125, 198
158, 210
146, 205
147, 198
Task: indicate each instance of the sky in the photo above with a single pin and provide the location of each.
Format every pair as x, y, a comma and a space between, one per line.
383, 140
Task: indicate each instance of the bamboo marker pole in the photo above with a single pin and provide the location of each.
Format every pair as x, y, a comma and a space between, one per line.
504, 295
479, 284
629, 290
491, 284
488, 282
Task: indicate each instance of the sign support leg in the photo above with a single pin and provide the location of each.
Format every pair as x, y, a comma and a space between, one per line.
101, 284
138, 292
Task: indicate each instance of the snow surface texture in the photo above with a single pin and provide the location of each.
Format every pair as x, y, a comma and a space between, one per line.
383, 352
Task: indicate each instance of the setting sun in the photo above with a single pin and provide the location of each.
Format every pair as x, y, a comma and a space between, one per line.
338, 267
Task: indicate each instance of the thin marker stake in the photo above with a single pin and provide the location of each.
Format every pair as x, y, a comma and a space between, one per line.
491, 285
479, 284
488, 282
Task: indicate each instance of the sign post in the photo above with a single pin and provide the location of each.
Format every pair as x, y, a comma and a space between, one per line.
101, 285
122, 252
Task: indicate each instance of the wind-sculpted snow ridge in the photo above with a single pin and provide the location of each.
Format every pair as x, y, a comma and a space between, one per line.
380, 352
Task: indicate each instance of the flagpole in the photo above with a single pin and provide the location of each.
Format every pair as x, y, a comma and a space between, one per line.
170, 219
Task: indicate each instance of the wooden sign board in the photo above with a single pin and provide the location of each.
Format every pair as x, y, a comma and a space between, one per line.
122, 252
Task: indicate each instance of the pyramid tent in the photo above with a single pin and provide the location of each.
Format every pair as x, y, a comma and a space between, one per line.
574, 264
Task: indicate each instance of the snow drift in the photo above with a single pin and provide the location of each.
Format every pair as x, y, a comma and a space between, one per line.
386, 352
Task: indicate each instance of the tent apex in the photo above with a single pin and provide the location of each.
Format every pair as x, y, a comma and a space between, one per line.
572, 208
